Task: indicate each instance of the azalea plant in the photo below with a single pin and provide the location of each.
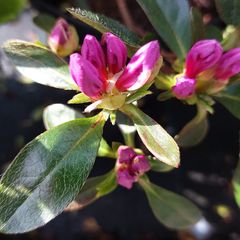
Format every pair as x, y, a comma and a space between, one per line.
110, 75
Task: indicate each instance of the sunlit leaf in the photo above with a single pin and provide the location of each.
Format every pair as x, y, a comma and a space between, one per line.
79, 98
39, 64
155, 138
48, 174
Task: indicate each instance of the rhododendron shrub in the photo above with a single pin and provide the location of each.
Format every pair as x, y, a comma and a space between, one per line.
109, 76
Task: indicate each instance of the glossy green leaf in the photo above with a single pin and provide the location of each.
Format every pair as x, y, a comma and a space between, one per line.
171, 209
198, 29
56, 114
39, 64
171, 20
10, 9
93, 189
195, 130
229, 11
230, 99
79, 98
48, 174
45, 22
155, 138
104, 24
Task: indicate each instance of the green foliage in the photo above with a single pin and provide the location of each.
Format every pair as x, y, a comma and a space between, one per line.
236, 184
171, 20
195, 130
39, 64
93, 189
229, 11
155, 138
230, 99
10, 9
48, 174
79, 98
171, 209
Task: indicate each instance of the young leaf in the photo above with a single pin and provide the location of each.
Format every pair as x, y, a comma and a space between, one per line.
48, 174
79, 98
171, 209
195, 130
10, 9
93, 189
56, 114
155, 138
229, 11
39, 64
171, 20
138, 95
230, 99
104, 24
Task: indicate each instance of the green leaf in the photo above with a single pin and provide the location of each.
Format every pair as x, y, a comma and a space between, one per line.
138, 95
45, 22
79, 98
158, 166
39, 64
104, 24
230, 99
56, 114
171, 209
48, 174
229, 11
195, 130
198, 29
155, 138
171, 20
93, 189
10, 9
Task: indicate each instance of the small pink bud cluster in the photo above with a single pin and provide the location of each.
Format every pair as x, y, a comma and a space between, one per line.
63, 39
130, 166
101, 69
206, 57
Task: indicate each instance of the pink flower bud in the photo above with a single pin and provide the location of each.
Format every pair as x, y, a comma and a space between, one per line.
203, 55
140, 164
125, 178
116, 52
63, 39
184, 88
140, 68
86, 76
92, 51
229, 65
125, 154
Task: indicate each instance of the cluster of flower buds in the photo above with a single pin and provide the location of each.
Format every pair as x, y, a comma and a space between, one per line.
207, 69
63, 39
101, 73
130, 166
